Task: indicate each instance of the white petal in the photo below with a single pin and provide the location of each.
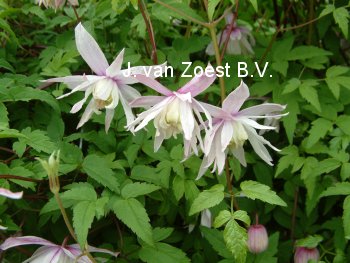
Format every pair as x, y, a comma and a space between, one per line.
127, 110
236, 98
7, 193
255, 125
90, 108
109, 118
90, 51
187, 119
128, 92
82, 87
115, 67
146, 101
262, 109
25, 240
77, 106
226, 135
239, 154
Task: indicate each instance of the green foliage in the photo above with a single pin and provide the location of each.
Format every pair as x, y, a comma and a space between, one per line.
208, 198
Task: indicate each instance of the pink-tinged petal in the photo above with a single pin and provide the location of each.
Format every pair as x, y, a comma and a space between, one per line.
255, 125
216, 112
82, 87
262, 109
236, 98
210, 136
68, 79
74, 247
153, 84
109, 118
201, 108
77, 106
90, 108
115, 67
233, 48
50, 255
7, 193
90, 51
198, 84
258, 142
149, 71
129, 93
187, 120
226, 135
203, 168
127, 110
229, 18
247, 46
25, 240
238, 153
146, 101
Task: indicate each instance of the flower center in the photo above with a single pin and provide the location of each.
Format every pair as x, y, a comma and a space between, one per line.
102, 93
239, 135
169, 119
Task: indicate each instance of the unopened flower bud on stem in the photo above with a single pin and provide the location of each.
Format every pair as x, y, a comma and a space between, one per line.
258, 239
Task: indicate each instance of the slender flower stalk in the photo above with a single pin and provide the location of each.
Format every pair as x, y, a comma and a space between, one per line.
174, 112
110, 84
232, 127
50, 252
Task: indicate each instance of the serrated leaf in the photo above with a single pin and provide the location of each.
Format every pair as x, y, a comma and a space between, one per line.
327, 10
343, 122
4, 120
306, 52
216, 240
255, 190
162, 252
4, 64
292, 85
222, 218
208, 198
309, 93
38, 140
335, 71
320, 128
211, 8
178, 187
346, 217
242, 216
309, 242
345, 171
132, 213
83, 216
342, 188
98, 169
341, 16
137, 189
236, 239
161, 233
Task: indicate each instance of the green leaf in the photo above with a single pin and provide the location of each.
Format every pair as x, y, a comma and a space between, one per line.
327, 10
309, 93
290, 121
320, 128
132, 213
309, 242
222, 218
306, 52
162, 252
292, 85
341, 16
345, 171
255, 190
254, 4
346, 217
241, 216
161, 233
98, 169
343, 122
208, 198
38, 140
137, 189
178, 187
211, 8
216, 240
4, 120
83, 215
236, 239
337, 189
27, 94
4, 64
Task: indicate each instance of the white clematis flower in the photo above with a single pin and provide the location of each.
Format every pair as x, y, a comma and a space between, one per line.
50, 252
110, 84
55, 3
176, 112
232, 128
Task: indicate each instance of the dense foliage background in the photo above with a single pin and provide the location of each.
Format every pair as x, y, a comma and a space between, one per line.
121, 195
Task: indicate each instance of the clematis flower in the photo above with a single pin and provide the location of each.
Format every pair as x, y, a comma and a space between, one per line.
304, 255
174, 112
240, 39
56, 3
232, 127
50, 252
108, 86
7, 193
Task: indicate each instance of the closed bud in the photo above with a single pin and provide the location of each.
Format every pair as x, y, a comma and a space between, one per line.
303, 255
258, 239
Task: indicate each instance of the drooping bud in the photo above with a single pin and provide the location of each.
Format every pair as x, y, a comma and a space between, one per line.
258, 239
51, 168
303, 255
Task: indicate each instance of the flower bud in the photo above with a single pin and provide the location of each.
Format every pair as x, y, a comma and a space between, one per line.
51, 168
303, 254
258, 239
